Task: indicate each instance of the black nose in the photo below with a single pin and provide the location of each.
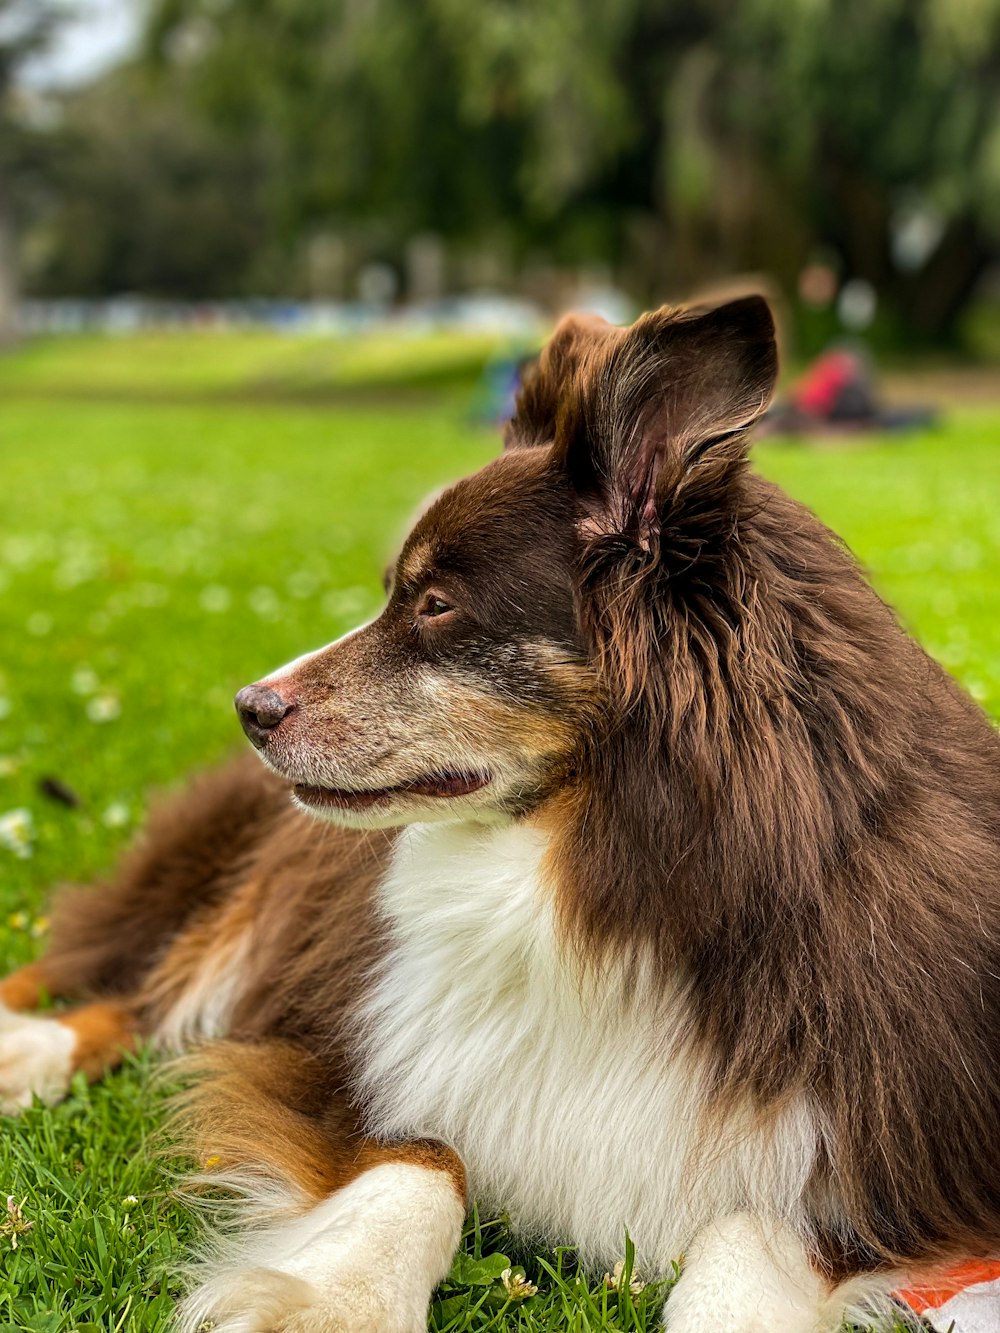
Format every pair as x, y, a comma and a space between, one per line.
260, 710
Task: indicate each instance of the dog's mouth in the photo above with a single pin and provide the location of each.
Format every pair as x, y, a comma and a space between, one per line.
436, 786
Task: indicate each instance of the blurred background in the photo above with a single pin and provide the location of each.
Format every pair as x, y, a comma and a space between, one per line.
328, 163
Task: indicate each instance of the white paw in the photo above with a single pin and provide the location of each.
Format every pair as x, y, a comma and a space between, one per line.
365, 1260
36, 1059
266, 1300
745, 1275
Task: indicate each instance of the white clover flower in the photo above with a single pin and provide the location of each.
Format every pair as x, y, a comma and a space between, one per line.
215, 598
17, 832
84, 681
303, 583
346, 603
264, 602
39, 623
19, 551
116, 815
150, 594
104, 708
15, 1223
613, 1279
518, 1288
79, 564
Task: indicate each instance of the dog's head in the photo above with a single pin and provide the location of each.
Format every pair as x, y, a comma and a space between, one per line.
507, 639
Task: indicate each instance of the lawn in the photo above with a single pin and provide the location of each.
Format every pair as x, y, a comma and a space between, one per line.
156, 555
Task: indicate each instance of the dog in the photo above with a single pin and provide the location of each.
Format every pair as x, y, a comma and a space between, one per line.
611, 876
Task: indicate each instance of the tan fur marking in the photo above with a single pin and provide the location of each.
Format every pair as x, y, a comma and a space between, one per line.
576, 680
540, 734
24, 989
267, 1104
418, 1152
211, 938
245, 1104
104, 1033
414, 562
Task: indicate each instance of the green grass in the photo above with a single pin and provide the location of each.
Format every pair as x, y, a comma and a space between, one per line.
250, 363
154, 557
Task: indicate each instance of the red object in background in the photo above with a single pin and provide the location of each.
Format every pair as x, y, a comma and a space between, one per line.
837, 394
823, 384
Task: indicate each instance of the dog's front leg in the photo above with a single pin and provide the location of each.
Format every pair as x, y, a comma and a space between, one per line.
364, 1260
746, 1275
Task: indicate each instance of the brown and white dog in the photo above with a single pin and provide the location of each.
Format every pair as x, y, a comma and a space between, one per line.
648, 850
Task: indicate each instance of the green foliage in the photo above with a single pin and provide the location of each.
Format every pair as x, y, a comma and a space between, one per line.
145, 196
671, 142
25, 29
156, 556
857, 112
486, 1291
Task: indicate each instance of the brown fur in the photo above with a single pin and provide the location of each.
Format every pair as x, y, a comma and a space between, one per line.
27, 987
301, 889
209, 937
105, 1031
814, 840
195, 848
267, 1103
752, 777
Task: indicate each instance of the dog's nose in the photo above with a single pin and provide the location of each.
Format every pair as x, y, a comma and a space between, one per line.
260, 710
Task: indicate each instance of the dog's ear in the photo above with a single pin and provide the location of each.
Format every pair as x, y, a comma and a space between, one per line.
548, 382
664, 408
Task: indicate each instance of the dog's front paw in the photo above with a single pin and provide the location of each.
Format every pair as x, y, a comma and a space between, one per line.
746, 1274
36, 1059
268, 1300
361, 1308
364, 1260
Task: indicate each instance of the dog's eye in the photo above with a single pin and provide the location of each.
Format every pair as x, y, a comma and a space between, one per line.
432, 606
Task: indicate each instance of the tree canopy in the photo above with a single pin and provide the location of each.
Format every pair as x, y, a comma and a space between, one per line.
667, 141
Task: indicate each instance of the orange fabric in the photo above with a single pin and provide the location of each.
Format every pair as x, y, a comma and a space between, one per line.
933, 1293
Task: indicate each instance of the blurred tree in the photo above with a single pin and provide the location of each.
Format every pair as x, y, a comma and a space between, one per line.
505, 125
673, 141
878, 121
26, 26
148, 198
351, 104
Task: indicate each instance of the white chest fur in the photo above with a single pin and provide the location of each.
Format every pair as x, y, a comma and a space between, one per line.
568, 1096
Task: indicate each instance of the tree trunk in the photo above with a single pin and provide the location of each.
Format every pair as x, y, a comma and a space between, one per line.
927, 303
932, 300
8, 278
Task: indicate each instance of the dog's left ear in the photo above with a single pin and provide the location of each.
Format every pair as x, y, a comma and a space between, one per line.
666, 409
547, 383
